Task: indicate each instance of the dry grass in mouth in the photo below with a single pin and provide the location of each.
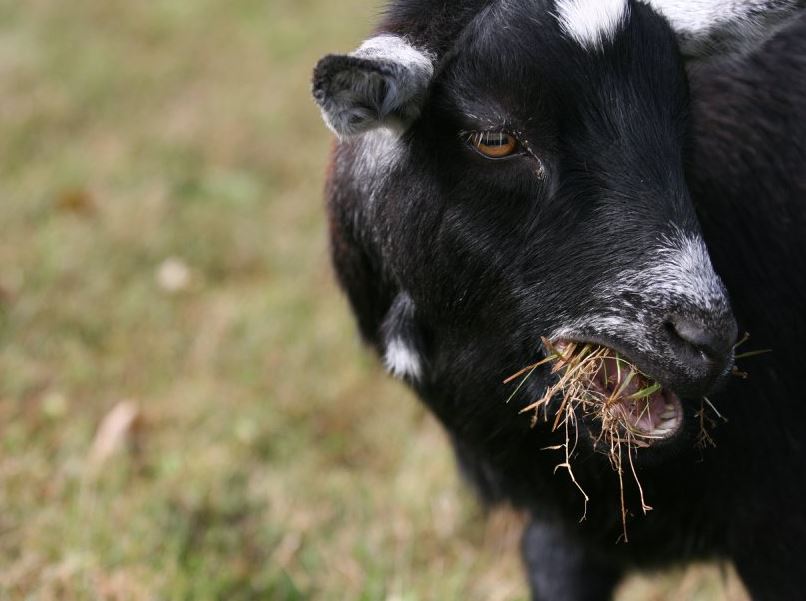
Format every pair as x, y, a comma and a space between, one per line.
596, 383
581, 368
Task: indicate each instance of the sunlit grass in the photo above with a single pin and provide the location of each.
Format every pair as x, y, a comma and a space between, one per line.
270, 458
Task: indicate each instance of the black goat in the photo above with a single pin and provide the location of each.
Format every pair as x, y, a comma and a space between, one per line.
516, 169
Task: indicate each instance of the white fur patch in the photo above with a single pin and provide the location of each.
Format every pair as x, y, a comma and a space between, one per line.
679, 275
698, 16
629, 329
681, 269
591, 22
401, 360
380, 150
394, 48
745, 20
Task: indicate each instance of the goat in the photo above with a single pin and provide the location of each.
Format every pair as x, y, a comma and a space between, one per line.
509, 170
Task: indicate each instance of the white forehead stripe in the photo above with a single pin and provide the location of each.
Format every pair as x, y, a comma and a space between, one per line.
591, 22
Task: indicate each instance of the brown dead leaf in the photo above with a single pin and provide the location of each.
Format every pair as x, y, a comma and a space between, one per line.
117, 431
77, 201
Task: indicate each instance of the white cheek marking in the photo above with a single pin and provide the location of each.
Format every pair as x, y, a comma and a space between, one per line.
591, 22
401, 360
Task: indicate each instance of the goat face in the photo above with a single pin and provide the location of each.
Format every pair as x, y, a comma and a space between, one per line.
529, 182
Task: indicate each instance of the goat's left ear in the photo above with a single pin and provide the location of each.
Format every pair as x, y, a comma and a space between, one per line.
382, 84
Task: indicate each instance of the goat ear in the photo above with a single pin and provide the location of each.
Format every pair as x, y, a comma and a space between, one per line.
382, 84
708, 27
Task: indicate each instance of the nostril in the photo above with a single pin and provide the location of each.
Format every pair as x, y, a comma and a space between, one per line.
712, 343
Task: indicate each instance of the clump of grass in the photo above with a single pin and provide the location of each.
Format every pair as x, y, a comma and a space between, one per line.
579, 366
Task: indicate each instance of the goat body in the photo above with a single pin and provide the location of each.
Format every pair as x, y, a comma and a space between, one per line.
523, 169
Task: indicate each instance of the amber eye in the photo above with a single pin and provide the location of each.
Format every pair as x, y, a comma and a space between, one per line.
493, 145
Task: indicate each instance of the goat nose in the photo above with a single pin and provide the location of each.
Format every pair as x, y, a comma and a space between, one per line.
714, 341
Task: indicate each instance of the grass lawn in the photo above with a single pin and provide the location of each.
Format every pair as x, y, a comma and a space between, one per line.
185, 409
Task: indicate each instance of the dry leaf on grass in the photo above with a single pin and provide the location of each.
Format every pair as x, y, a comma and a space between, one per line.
117, 430
78, 201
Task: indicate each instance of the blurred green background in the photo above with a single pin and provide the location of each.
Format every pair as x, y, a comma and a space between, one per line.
185, 409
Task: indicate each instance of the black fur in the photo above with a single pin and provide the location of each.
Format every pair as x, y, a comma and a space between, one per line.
473, 260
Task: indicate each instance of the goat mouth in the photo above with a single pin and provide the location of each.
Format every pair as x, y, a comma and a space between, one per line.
654, 414
611, 390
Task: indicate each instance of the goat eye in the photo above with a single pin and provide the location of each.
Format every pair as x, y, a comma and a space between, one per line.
493, 145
